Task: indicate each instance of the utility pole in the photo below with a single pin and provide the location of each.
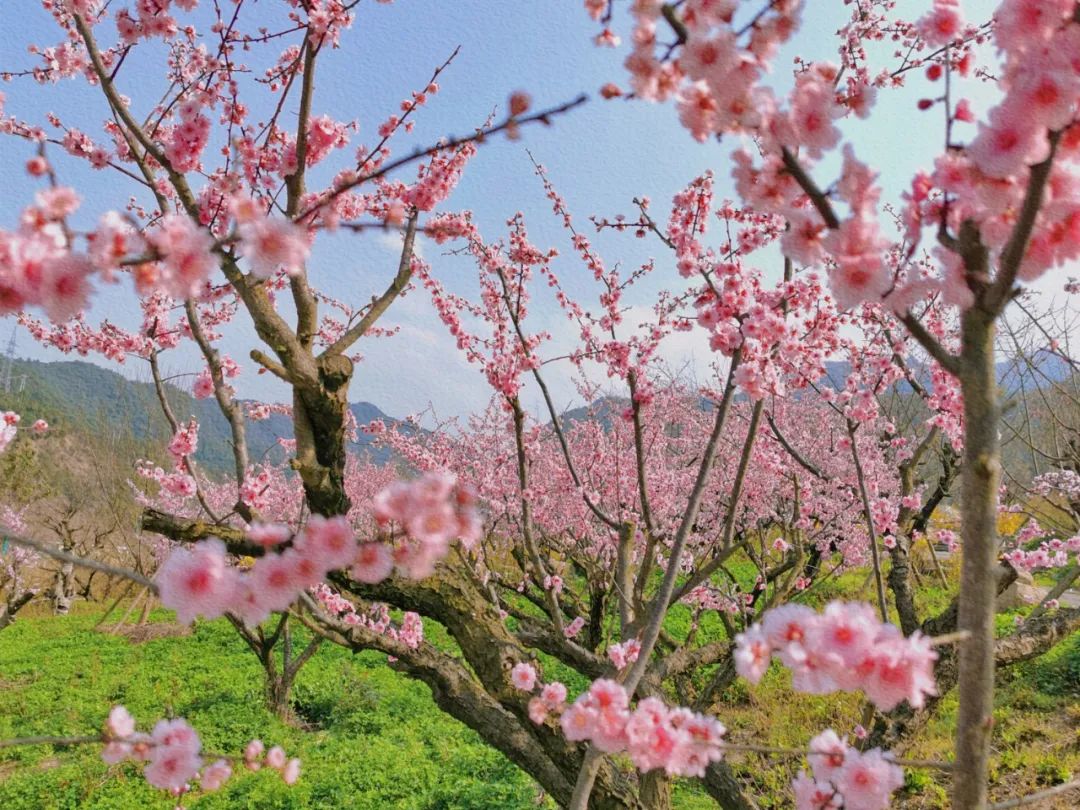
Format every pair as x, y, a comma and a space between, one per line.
7, 372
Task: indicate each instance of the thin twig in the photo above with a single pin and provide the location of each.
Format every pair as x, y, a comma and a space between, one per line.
47, 740
798, 752
1031, 798
82, 562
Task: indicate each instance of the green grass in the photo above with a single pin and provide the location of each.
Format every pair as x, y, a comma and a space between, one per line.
375, 738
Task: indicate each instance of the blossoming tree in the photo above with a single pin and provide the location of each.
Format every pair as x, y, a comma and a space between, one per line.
549, 547
998, 203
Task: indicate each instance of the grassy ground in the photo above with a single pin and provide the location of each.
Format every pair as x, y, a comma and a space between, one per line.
1036, 733
374, 739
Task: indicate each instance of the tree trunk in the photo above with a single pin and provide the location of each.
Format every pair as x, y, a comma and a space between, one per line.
278, 696
722, 785
319, 414
63, 592
14, 603
980, 475
655, 790
900, 584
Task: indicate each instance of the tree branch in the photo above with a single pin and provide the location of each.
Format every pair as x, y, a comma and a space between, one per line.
380, 304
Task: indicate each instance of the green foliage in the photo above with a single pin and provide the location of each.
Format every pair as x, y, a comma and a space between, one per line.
1058, 672
372, 738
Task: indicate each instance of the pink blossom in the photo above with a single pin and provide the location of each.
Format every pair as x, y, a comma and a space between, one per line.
331, 542
554, 695
752, 654
900, 669
943, 24
185, 441
700, 739
596, 8
433, 510
174, 756
247, 604
813, 109
787, 624
814, 795
523, 676
271, 245
197, 582
275, 582
578, 722
275, 757
268, 534
253, 753
290, 774
203, 386
374, 563
1011, 141
187, 257
650, 737
574, 627
868, 780
698, 110
846, 647
847, 630
215, 775
829, 755
120, 723
624, 654
538, 710
57, 203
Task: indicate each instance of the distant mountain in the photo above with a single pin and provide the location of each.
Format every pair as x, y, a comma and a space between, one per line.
605, 410
84, 396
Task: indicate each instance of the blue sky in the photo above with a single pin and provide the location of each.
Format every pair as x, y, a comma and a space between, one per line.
600, 156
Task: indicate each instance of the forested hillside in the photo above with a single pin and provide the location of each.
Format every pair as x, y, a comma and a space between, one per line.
80, 397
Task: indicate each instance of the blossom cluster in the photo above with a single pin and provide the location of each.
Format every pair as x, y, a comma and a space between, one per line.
39, 265
151, 19
410, 631
9, 428
653, 734
18, 560
199, 581
9, 422
1053, 553
622, 655
433, 509
185, 441
717, 73
173, 754
846, 647
36, 266
270, 244
177, 483
842, 776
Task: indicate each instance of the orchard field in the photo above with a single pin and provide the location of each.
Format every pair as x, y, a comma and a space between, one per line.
374, 743
592, 404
